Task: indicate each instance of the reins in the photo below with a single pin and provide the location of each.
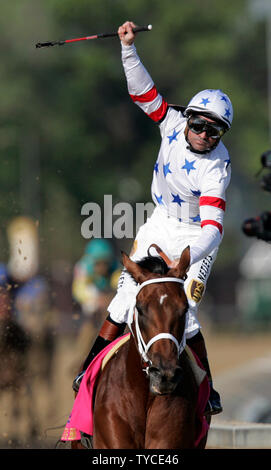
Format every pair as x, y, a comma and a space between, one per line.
143, 348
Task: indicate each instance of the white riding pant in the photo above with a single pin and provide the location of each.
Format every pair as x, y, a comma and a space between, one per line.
172, 236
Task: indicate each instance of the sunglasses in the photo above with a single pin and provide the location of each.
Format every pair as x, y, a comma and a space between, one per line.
199, 125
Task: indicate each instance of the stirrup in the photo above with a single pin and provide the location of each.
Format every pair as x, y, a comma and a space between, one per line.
213, 406
77, 381
86, 440
210, 410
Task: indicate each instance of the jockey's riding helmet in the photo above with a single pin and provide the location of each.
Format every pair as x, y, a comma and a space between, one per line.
211, 103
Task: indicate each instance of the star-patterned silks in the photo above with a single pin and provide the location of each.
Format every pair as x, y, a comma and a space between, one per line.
166, 169
176, 187
177, 199
188, 166
173, 136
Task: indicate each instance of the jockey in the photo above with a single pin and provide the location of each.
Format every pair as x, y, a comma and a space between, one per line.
97, 272
190, 178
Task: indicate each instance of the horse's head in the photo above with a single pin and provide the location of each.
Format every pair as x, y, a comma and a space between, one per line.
159, 323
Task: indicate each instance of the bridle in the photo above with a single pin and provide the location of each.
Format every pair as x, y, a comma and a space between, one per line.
143, 348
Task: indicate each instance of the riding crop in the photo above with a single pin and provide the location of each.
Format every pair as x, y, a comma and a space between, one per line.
137, 29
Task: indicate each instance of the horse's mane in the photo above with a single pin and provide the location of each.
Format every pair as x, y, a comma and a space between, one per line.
154, 264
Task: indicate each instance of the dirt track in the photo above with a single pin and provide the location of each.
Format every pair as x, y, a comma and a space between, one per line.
54, 401
227, 351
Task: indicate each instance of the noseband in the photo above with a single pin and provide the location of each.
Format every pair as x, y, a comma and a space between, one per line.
142, 346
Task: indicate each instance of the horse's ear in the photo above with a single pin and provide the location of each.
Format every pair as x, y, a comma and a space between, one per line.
183, 264
139, 274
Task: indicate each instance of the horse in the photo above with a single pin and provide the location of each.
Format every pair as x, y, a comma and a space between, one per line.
25, 359
146, 395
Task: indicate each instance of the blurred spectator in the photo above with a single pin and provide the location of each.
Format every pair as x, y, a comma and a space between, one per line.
94, 284
96, 276
28, 291
24, 295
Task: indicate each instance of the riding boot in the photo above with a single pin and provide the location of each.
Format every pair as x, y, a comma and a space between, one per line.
110, 330
197, 344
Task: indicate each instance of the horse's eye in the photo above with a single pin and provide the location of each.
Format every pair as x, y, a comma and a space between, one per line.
183, 311
139, 309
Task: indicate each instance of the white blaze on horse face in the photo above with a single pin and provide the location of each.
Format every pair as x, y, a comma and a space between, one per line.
162, 298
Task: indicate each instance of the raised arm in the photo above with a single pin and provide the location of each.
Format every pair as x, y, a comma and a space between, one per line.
140, 85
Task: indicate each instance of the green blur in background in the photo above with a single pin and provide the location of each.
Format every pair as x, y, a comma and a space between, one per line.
70, 134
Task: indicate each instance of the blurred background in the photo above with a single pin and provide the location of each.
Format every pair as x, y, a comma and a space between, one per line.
70, 134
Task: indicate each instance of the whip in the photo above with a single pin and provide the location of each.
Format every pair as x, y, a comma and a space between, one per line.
138, 29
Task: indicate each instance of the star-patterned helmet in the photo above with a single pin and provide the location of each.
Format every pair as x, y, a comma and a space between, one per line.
213, 103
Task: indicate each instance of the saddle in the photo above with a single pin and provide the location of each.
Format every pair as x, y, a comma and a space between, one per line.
114, 349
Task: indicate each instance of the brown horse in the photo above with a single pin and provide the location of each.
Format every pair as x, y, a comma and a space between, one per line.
146, 395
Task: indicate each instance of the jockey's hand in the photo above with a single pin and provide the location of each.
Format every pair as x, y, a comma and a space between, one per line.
126, 34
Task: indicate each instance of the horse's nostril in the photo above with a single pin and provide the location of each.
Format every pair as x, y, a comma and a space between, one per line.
166, 375
154, 371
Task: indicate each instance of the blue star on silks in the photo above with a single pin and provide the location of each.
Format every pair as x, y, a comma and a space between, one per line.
227, 112
188, 166
196, 218
196, 193
159, 199
173, 136
228, 162
205, 101
156, 167
177, 199
166, 169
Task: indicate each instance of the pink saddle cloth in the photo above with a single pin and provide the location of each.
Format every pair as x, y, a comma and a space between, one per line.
81, 417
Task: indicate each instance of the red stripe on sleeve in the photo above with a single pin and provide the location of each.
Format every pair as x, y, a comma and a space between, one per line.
148, 96
160, 112
212, 222
212, 201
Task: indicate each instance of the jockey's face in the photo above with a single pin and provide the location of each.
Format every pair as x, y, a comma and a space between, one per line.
201, 142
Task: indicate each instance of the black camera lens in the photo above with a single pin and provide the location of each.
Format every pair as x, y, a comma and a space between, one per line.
252, 227
266, 219
266, 159
266, 182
